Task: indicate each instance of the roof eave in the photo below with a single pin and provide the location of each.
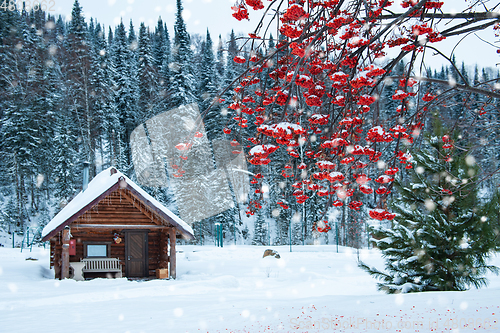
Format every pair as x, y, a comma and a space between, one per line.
81, 211
186, 234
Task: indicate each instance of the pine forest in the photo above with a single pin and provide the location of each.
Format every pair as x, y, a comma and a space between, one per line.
74, 91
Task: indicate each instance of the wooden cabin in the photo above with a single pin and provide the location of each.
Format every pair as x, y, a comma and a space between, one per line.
113, 227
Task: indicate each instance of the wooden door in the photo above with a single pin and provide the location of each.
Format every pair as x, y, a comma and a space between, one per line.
136, 254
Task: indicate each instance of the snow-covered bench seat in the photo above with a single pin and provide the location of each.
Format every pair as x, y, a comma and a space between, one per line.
102, 265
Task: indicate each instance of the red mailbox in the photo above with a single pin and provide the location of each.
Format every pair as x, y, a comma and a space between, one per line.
72, 247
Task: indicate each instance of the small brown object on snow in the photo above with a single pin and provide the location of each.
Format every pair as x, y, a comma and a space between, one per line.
270, 252
162, 273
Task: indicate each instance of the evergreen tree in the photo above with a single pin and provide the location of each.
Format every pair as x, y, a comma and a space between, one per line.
387, 104
125, 99
455, 108
213, 119
165, 74
132, 38
42, 103
9, 21
492, 212
23, 116
101, 92
159, 45
168, 48
182, 84
260, 229
60, 27
64, 147
110, 36
221, 64
64, 159
77, 72
148, 76
77, 25
208, 74
441, 237
475, 82
233, 70
133, 72
464, 74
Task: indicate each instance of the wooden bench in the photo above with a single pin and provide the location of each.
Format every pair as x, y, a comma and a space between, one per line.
102, 265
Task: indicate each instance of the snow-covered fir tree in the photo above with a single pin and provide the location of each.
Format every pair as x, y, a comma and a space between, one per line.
165, 74
64, 158
260, 230
208, 88
18, 132
76, 70
101, 93
125, 96
159, 46
220, 65
161, 58
232, 69
147, 76
442, 235
208, 75
182, 90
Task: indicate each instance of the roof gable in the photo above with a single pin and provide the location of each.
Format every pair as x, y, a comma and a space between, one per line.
101, 186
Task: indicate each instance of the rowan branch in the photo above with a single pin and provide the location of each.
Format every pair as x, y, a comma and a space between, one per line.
449, 16
461, 87
474, 28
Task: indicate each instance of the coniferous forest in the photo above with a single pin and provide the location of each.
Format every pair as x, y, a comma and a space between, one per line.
73, 91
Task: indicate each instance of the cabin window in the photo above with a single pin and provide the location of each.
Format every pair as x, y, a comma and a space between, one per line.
96, 250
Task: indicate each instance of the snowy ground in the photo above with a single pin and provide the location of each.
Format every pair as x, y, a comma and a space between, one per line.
233, 289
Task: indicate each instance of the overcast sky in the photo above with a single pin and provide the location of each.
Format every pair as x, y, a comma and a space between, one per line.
198, 14
216, 16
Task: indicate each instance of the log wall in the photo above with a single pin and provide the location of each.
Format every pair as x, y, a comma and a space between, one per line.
118, 208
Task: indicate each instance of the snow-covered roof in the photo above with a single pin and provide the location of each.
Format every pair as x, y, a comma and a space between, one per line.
103, 184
